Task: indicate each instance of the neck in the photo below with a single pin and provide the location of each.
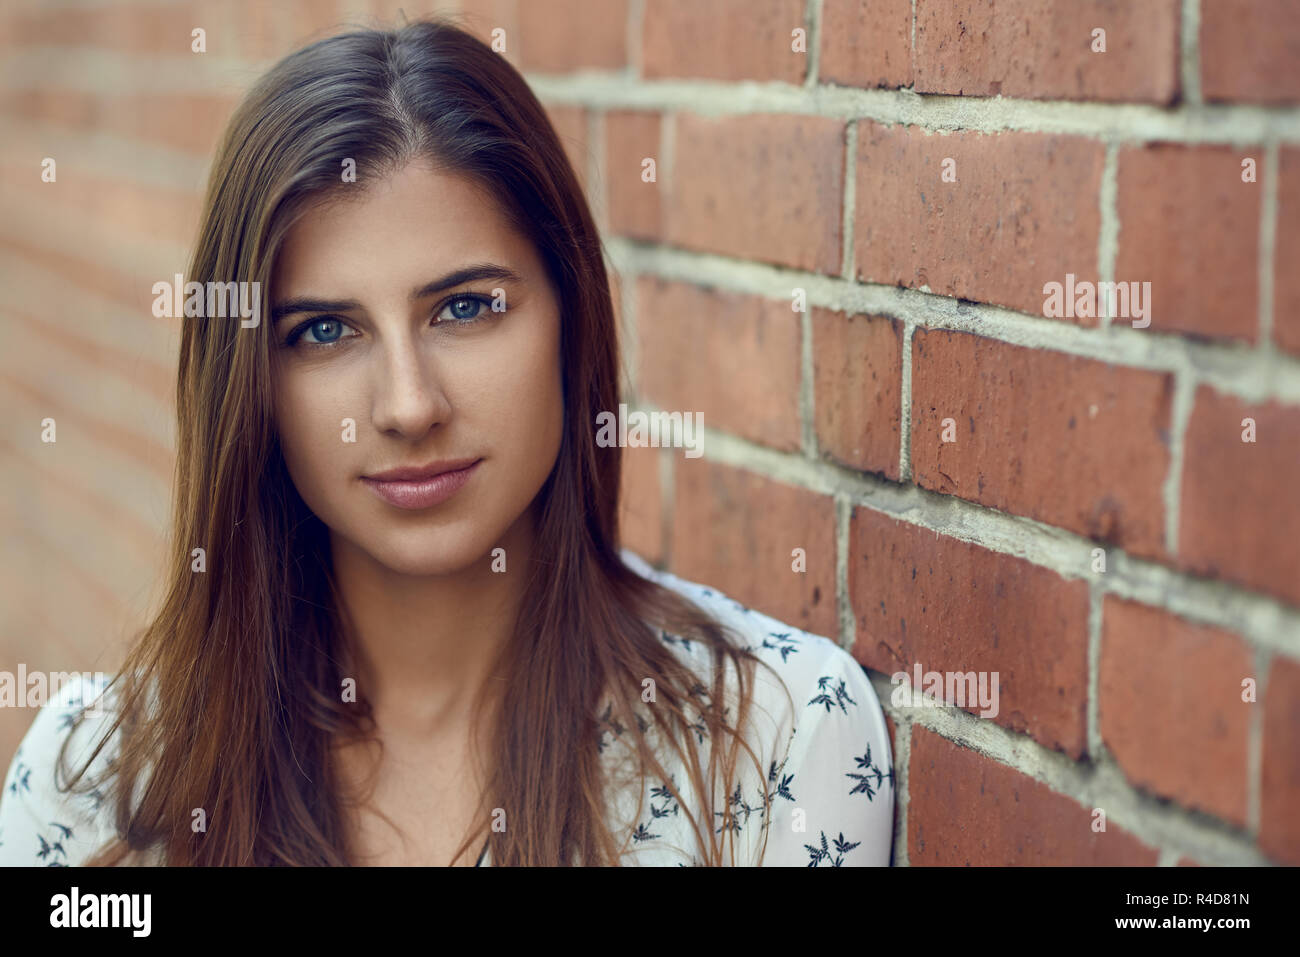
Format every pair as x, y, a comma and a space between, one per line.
424, 646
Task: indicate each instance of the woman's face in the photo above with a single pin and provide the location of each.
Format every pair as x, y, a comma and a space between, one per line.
379, 365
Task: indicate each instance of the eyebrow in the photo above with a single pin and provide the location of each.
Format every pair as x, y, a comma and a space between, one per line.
471, 273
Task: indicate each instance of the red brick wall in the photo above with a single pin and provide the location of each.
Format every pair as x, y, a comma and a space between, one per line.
821, 171
1119, 690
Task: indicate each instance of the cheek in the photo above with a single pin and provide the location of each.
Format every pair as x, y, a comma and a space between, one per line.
511, 389
310, 424
538, 402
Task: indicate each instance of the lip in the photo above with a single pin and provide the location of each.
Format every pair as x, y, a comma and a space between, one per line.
423, 486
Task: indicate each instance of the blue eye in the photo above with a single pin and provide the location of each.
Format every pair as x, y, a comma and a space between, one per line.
466, 309
325, 330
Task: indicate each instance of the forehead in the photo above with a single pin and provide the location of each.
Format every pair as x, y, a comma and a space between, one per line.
412, 223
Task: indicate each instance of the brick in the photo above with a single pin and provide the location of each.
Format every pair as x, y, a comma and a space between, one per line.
949, 605
59, 330
723, 40
641, 503
1073, 442
621, 322
570, 124
1286, 253
133, 209
191, 123
52, 106
125, 440
635, 206
1279, 825
481, 17
1169, 701
139, 28
866, 43
1042, 49
119, 542
1250, 50
558, 36
1190, 227
117, 549
315, 15
254, 32
766, 187
967, 810
8, 41
82, 558
1240, 516
390, 11
857, 372
125, 491
717, 540
131, 290
304, 21
1023, 212
623, 325
85, 621
732, 359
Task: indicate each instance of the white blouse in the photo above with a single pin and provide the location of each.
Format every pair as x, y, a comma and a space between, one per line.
828, 764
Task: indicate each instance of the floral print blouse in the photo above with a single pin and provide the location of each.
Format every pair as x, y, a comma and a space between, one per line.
829, 780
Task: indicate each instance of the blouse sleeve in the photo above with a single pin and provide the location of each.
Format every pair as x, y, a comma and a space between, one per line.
41, 826
833, 799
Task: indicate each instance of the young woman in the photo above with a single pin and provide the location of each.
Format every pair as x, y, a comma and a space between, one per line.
399, 628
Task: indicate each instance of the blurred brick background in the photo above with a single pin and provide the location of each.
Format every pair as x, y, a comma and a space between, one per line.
799, 147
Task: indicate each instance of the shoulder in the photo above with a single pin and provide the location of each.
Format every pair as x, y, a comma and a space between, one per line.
819, 728
41, 825
822, 677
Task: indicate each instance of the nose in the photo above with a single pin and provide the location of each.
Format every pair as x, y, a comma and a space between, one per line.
409, 398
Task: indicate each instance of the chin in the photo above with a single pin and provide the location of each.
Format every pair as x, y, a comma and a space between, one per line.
428, 552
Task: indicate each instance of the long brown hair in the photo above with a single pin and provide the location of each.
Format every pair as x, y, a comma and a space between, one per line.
229, 699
